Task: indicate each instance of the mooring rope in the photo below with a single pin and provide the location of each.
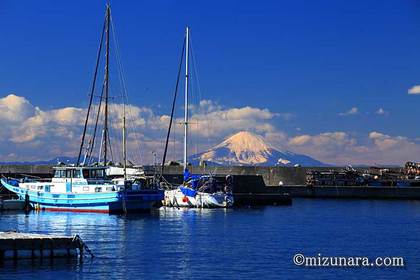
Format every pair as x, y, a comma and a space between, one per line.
83, 245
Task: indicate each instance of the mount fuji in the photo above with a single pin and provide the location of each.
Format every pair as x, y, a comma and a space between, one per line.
246, 148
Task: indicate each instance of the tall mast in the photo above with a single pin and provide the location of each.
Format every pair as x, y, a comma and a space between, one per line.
187, 43
124, 145
108, 19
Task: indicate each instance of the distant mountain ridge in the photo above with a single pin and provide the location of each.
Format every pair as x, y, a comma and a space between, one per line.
246, 148
67, 160
243, 149
70, 160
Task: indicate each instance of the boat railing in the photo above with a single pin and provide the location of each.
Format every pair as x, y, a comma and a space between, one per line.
98, 181
33, 179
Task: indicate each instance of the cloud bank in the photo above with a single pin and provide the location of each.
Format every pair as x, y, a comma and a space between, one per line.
414, 90
31, 133
352, 111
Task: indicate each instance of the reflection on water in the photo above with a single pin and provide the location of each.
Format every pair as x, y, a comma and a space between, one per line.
225, 243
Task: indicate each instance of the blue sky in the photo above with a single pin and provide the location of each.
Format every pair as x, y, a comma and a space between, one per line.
314, 60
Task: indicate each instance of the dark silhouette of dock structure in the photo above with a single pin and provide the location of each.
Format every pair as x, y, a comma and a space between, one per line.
19, 245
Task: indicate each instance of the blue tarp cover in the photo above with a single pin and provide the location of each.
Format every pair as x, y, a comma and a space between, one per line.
188, 191
193, 179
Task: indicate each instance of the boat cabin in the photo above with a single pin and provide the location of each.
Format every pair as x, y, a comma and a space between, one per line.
80, 172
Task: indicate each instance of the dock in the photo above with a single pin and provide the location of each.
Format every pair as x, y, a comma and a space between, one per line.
359, 192
256, 199
19, 245
257, 184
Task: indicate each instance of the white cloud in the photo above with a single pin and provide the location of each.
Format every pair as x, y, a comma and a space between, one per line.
381, 111
15, 109
32, 133
414, 90
329, 147
352, 111
211, 119
300, 140
326, 138
386, 142
342, 148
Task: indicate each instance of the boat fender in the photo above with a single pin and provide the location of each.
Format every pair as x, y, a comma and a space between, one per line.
185, 199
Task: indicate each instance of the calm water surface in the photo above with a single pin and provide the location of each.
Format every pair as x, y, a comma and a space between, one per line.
245, 243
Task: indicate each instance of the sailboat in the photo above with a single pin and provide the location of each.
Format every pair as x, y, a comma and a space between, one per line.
85, 187
197, 191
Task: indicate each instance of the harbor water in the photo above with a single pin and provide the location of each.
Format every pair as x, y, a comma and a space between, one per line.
242, 243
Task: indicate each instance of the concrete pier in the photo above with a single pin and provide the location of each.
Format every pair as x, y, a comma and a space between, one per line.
360, 192
17, 245
256, 182
272, 175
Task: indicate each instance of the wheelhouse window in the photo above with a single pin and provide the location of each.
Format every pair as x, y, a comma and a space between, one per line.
86, 174
60, 174
68, 173
97, 173
77, 173
100, 173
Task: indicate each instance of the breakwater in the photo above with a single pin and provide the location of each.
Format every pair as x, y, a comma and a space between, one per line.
272, 176
256, 182
292, 180
354, 192
26, 169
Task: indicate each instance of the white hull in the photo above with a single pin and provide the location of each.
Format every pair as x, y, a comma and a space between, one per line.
175, 198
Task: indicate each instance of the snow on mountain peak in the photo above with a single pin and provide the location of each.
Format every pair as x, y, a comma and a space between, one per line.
245, 141
244, 147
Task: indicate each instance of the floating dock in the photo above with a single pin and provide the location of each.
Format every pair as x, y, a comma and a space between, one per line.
18, 245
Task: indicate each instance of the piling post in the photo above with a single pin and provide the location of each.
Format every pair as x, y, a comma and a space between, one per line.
27, 204
81, 253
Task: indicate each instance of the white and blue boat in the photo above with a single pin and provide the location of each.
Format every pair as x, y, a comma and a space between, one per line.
86, 189
200, 191
197, 191
85, 186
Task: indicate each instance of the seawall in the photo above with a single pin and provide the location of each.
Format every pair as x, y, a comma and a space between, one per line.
354, 192
272, 176
271, 180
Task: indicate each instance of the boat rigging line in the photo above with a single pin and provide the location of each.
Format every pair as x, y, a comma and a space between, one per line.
173, 108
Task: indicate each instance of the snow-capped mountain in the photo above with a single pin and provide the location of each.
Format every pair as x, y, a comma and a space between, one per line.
246, 148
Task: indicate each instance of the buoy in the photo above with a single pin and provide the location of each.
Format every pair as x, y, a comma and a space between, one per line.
185, 199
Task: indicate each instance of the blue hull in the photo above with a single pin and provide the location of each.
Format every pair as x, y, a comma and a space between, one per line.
107, 202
